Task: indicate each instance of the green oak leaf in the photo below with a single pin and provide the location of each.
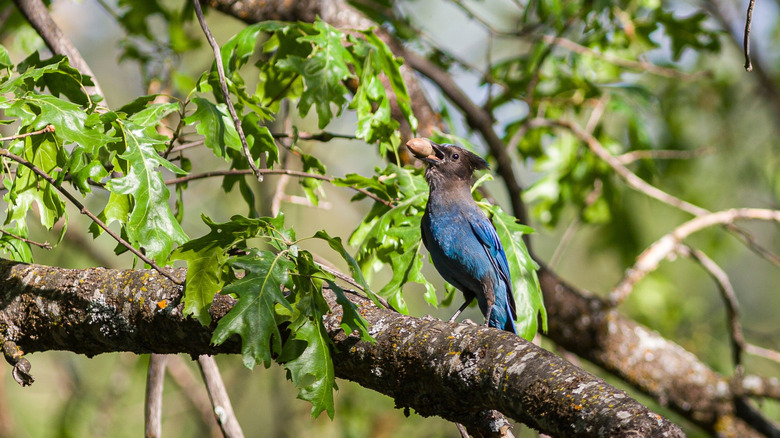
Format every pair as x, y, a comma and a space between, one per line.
27, 187
206, 256
151, 223
312, 370
323, 72
253, 317
216, 125
68, 119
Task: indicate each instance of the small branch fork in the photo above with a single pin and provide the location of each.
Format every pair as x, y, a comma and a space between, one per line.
223, 85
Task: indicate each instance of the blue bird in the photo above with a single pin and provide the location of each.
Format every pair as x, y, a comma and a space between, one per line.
462, 241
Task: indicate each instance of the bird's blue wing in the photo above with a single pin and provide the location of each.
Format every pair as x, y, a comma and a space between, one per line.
488, 237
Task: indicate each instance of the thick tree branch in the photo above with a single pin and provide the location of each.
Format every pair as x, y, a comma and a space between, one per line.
36, 13
437, 368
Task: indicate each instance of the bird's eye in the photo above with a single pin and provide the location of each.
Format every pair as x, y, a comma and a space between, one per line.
455, 156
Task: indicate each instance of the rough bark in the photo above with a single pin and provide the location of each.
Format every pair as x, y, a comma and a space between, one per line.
588, 327
438, 368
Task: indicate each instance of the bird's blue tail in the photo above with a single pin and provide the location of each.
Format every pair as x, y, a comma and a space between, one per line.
501, 314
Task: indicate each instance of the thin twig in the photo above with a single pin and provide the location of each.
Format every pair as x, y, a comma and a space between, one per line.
620, 62
223, 409
767, 90
766, 353
223, 83
330, 269
746, 38
89, 214
46, 129
663, 154
631, 178
187, 145
44, 245
727, 294
649, 259
578, 48
297, 173
155, 377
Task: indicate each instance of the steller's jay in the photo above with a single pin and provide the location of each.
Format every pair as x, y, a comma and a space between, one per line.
462, 241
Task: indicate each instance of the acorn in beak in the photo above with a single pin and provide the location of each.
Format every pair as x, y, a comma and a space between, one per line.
425, 150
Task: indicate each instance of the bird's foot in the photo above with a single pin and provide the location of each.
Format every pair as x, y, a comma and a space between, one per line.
469, 322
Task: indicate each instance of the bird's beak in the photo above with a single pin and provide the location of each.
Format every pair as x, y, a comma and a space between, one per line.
425, 150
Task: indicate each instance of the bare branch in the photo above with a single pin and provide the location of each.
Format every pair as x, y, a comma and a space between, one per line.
223, 409
155, 377
649, 259
451, 370
640, 185
589, 327
631, 178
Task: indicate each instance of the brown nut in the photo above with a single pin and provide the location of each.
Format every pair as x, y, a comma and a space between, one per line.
420, 147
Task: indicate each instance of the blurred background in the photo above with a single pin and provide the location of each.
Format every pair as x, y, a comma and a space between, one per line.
724, 114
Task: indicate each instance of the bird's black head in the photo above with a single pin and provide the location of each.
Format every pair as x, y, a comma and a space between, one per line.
446, 160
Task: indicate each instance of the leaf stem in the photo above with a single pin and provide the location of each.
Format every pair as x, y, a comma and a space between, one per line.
44, 245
